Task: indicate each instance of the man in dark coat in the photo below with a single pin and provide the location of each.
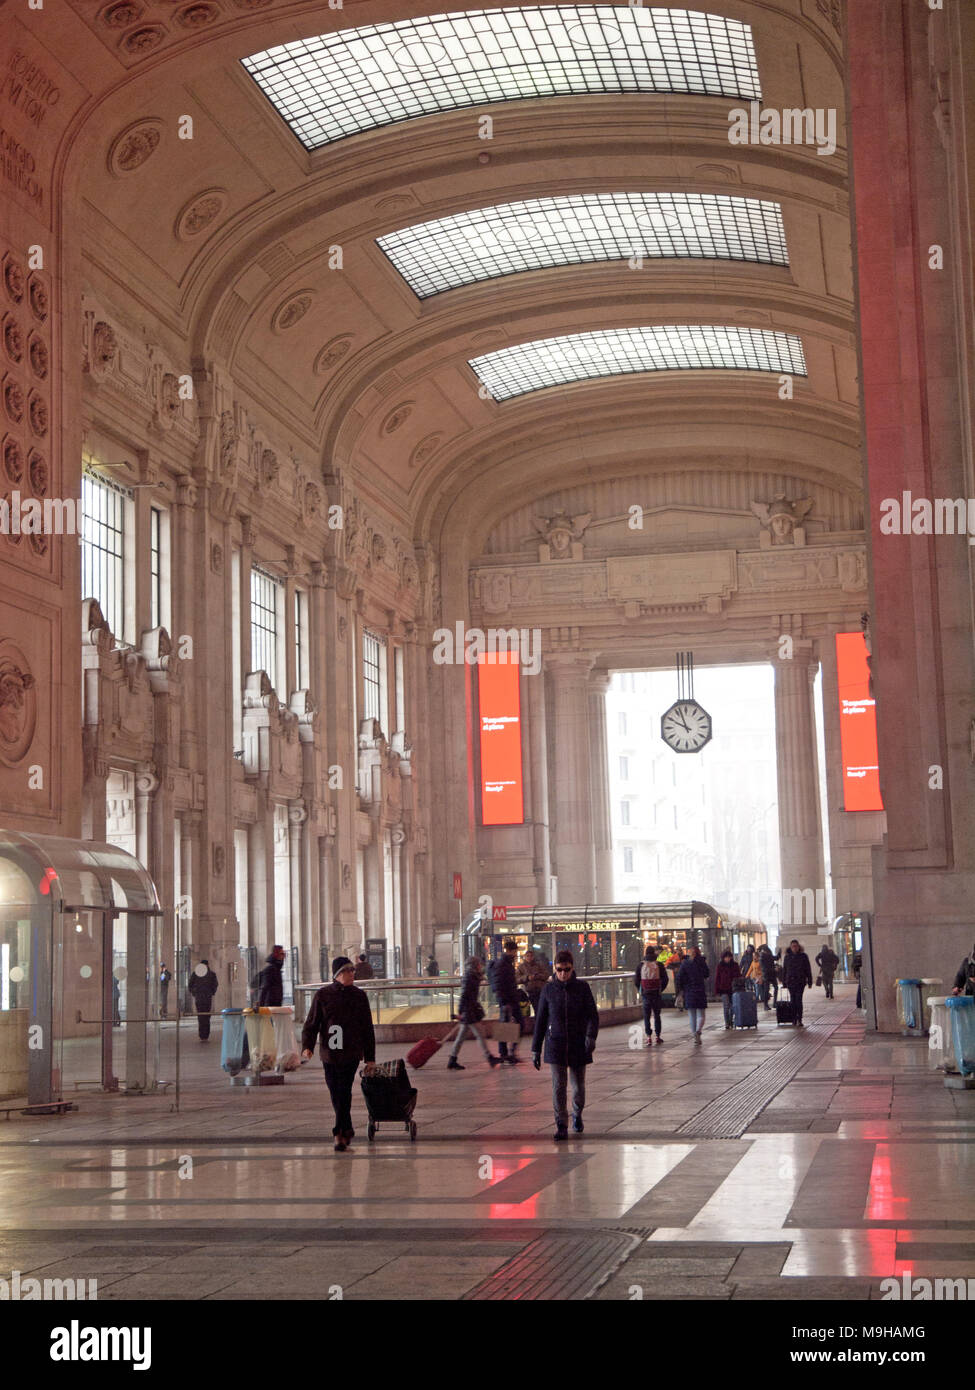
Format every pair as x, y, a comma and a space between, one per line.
470, 1012
165, 975
203, 986
272, 986
770, 977
691, 981
341, 1016
363, 970
796, 976
965, 976
827, 960
504, 982
432, 966
567, 1023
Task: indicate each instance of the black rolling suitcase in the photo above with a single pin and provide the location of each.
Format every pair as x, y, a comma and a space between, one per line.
389, 1096
785, 1010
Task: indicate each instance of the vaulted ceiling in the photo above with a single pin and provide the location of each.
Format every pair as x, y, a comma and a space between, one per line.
243, 245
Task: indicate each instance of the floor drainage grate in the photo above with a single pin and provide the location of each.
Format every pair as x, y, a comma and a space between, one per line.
729, 1115
557, 1266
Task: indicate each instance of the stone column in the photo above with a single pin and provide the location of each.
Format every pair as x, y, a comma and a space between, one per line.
573, 851
797, 768
599, 763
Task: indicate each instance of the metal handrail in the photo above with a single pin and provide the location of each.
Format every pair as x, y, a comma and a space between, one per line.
449, 982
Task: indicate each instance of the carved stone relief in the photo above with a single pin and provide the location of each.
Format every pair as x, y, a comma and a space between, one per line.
18, 704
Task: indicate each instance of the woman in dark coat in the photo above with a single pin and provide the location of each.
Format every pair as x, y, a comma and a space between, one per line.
567, 1022
724, 977
796, 976
470, 1012
691, 980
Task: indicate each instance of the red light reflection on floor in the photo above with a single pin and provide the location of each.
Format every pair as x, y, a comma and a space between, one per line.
507, 1211
883, 1203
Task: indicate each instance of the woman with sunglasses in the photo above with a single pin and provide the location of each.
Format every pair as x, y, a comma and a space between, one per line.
567, 1021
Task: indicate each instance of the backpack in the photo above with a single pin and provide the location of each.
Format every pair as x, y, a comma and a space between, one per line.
649, 977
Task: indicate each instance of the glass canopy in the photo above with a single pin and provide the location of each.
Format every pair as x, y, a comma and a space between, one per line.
333, 85
541, 232
609, 352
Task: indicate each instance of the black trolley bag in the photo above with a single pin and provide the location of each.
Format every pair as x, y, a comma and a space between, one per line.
785, 1009
389, 1097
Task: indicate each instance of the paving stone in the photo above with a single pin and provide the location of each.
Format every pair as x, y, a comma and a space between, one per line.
802, 1290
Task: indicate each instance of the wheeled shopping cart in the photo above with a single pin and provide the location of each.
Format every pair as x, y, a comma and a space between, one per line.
389, 1097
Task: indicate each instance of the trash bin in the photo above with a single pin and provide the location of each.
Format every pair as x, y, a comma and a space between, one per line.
283, 1022
941, 1051
260, 1039
961, 1008
909, 1007
929, 987
234, 1052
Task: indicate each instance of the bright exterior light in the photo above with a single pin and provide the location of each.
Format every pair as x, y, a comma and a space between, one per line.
334, 85
611, 352
542, 232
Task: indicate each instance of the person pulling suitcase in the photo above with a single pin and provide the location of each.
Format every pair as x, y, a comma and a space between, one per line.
470, 1012
341, 1017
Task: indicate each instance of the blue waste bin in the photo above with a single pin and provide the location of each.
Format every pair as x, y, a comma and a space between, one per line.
909, 1005
234, 1055
961, 1011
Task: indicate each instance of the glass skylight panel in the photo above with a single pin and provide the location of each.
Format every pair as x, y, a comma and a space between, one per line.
334, 85
542, 232
611, 352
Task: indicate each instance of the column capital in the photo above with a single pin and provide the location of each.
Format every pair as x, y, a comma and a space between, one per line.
599, 682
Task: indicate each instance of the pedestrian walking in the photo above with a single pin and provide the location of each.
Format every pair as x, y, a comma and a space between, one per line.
532, 975
116, 1003
744, 964
341, 1017
796, 976
165, 975
770, 977
566, 1025
675, 962
432, 966
650, 979
755, 973
857, 967
965, 976
727, 972
504, 982
827, 960
470, 1012
691, 981
363, 970
203, 986
270, 983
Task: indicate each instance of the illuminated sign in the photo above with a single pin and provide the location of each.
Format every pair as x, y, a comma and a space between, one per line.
499, 706
858, 725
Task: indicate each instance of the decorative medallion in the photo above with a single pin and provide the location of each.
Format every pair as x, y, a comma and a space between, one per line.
332, 353
13, 459
343, 627
13, 278
726, 172
121, 14
141, 41
14, 537
396, 418
394, 202
13, 401
37, 295
219, 860
313, 500
197, 16
425, 449
37, 410
38, 473
104, 346
169, 403
18, 703
269, 466
216, 558
295, 307
199, 213
133, 146
37, 353
13, 339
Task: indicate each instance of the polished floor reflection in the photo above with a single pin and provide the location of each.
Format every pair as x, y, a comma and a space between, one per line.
858, 1167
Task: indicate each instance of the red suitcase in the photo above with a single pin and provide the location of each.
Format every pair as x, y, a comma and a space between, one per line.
419, 1055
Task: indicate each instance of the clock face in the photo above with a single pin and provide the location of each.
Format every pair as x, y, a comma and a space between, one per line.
686, 727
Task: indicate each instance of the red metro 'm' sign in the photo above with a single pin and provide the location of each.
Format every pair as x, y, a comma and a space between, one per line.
499, 705
858, 725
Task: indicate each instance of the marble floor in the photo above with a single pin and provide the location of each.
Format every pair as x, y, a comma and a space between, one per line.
832, 1161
